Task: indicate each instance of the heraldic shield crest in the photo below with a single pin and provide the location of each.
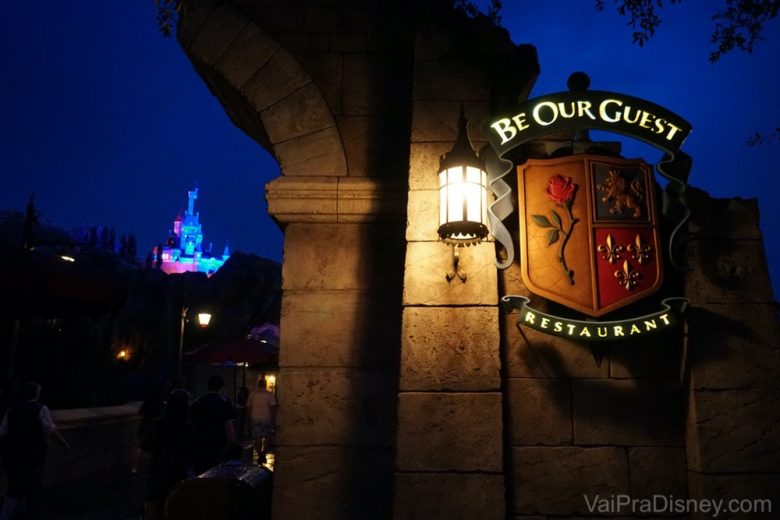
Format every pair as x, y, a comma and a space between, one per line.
589, 235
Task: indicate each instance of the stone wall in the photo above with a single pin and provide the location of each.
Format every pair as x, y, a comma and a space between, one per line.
326, 89
732, 372
406, 396
102, 442
449, 453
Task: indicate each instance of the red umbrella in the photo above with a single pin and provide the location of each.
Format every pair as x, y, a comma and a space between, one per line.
244, 350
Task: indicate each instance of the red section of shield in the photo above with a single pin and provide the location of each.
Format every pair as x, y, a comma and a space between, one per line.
626, 263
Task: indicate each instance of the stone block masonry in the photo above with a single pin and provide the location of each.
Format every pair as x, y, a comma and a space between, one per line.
406, 396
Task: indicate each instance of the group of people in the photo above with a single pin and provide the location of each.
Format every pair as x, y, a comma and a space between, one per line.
177, 440
189, 439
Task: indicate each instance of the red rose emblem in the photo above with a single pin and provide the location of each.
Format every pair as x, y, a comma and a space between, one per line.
561, 190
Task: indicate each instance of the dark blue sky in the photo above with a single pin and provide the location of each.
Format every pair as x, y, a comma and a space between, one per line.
106, 121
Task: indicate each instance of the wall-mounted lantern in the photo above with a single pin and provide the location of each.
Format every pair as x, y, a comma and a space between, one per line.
462, 196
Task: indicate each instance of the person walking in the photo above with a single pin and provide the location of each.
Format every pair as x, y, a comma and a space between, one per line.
24, 432
212, 417
262, 414
167, 444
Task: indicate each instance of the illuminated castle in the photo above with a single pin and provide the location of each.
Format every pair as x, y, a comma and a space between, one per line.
183, 250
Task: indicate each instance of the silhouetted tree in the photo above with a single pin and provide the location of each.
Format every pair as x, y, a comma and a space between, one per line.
158, 262
31, 218
112, 240
93, 236
123, 245
132, 246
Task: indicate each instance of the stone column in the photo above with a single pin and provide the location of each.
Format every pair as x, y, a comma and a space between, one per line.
449, 457
337, 379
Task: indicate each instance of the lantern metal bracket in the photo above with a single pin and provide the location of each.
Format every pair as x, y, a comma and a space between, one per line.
455, 271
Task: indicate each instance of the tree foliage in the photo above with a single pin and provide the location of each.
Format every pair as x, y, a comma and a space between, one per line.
738, 24
167, 15
493, 12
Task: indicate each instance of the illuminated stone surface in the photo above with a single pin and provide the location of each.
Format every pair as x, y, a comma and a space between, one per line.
428, 262
424, 165
437, 355
423, 210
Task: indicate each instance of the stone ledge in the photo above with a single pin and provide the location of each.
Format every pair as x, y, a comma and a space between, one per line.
78, 417
335, 199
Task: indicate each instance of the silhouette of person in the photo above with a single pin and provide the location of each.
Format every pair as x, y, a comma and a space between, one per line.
262, 413
24, 433
168, 445
242, 407
212, 417
152, 408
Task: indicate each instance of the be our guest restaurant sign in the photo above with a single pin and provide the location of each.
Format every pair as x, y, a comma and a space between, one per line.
590, 224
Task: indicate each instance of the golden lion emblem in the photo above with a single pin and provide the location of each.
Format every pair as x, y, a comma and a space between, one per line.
616, 190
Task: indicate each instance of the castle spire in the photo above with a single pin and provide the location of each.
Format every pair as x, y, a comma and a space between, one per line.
192, 196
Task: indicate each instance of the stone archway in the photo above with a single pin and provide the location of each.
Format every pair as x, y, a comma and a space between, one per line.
265, 91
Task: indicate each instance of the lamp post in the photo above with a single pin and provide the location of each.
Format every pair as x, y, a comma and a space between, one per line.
462, 196
204, 318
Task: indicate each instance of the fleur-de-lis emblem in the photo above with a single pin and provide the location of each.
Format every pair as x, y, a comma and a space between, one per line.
627, 277
640, 251
610, 251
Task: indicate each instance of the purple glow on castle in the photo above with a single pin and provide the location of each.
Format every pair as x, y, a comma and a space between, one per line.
183, 250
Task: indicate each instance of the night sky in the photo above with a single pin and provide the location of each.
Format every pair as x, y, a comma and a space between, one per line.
107, 123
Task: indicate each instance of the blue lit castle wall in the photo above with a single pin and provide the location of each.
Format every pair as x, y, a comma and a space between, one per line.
183, 250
